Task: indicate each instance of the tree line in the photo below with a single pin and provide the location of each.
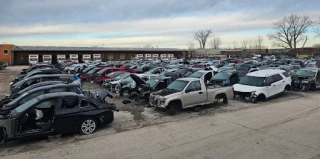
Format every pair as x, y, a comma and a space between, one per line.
289, 32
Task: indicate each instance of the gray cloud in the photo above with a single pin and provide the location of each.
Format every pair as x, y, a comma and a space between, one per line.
79, 11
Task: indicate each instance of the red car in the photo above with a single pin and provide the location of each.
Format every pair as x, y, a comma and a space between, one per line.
88, 75
109, 77
103, 74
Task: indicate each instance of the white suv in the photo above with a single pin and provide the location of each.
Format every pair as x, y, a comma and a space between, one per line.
264, 84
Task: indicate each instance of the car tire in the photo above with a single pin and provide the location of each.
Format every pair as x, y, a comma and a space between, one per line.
88, 126
313, 87
170, 109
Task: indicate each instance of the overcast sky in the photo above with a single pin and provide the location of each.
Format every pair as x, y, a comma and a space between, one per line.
135, 23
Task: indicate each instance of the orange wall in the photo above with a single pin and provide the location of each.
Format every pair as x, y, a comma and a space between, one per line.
6, 57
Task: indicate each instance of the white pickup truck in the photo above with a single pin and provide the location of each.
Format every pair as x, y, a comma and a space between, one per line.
188, 92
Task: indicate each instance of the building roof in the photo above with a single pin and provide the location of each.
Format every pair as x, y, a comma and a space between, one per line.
64, 48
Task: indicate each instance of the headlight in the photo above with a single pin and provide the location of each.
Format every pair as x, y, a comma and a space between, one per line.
133, 85
162, 100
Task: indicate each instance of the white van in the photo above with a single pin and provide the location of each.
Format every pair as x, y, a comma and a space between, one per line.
47, 58
262, 85
74, 57
61, 58
33, 59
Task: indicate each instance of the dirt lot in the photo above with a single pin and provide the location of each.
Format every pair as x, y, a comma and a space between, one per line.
130, 116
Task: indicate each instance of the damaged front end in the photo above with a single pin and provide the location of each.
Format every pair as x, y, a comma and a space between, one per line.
302, 83
6, 128
249, 96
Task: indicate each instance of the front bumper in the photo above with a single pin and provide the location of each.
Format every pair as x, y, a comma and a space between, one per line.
246, 95
155, 102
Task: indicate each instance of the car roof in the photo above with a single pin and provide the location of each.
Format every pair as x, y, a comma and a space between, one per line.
190, 79
265, 73
54, 86
60, 94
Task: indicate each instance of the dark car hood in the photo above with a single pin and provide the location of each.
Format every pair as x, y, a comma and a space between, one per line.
138, 80
301, 77
165, 92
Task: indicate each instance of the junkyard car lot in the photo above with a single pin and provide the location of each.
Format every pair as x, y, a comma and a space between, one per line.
131, 116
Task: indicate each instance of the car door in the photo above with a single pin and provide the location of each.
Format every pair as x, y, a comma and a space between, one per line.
278, 83
269, 88
193, 95
67, 114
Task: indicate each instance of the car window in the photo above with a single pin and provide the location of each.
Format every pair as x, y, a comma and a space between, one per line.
56, 90
69, 103
31, 96
50, 79
194, 86
48, 103
269, 80
84, 103
286, 74
277, 78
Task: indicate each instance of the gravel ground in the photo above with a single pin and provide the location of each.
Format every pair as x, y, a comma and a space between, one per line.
131, 116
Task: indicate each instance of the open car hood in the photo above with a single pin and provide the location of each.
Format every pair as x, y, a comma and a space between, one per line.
138, 80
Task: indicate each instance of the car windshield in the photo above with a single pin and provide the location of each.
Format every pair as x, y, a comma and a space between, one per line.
110, 74
120, 76
198, 66
87, 69
93, 71
223, 68
197, 74
306, 73
152, 82
221, 76
152, 70
163, 73
178, 85
26, 105
140, 68
252, 81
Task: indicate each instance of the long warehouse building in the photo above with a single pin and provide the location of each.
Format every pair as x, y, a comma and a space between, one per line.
19, 55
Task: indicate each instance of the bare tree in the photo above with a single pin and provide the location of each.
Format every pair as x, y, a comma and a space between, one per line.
201, 36
250, 44
259, 42
235, 44
148, 46
290, 31
190, 46
245, 44
316, 45
215, 43
317, 28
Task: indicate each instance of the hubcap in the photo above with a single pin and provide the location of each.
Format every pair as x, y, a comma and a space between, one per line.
88, 126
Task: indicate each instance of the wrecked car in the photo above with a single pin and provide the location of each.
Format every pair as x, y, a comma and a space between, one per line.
14, 102
188, 92
225, 78
68, 78
36, 72
55, 113
143, 89
306, 79
37, 66
111, 84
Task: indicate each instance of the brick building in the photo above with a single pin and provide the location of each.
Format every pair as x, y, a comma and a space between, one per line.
5, 53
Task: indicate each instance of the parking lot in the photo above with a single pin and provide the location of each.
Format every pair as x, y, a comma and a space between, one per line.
131, 116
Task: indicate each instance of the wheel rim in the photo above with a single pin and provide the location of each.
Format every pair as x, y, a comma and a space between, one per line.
88, 126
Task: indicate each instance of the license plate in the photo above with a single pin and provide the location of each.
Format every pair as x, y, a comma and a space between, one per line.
305, 81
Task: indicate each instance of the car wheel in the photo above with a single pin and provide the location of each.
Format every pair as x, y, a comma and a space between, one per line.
313, 87
171, 110
88, 126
